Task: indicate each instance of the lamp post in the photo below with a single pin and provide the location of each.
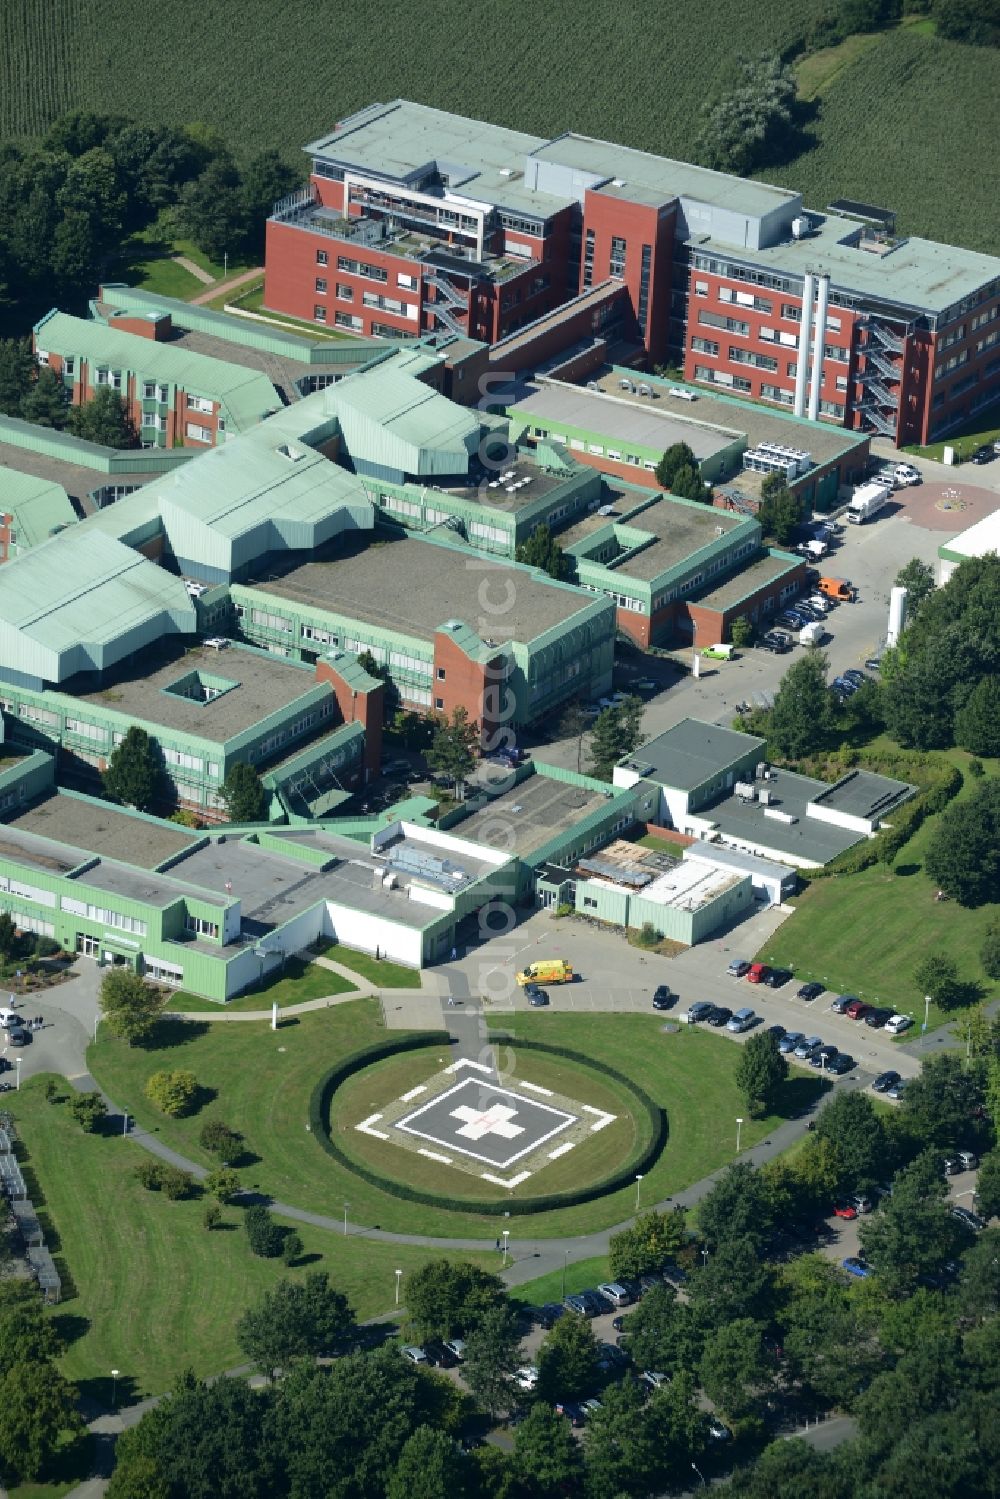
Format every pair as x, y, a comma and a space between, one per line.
739, 1126
346, 1206
114, 1388
97, 1021
927, 1014
17, 1061
125, 1125
506, 1236
399, 1276
704, 1255
565, 1263
638, 1184
699, 1473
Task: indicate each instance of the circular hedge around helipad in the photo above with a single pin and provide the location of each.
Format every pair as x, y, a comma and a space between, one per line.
648, 1119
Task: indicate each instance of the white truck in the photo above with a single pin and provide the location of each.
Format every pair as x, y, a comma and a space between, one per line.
812, 633
867, 501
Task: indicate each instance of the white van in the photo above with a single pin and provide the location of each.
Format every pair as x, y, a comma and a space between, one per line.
9, 1018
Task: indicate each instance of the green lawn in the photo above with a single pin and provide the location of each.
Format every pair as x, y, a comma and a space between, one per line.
146, 1289
263, 1079
376, 970
865, 933
299, 983
984, 427
250, 298
582, 1276
146, 260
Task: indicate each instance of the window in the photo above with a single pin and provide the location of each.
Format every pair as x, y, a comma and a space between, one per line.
69, 364
200, 403
644, 274
149, 390
85, 730
440, 673
616, 264
322, 258
347, 320
319, 314
200, 927
198, 433
322, 637
268, 621
589, 903
151, 420
439, 702
701, 288
409, 282
791, 312
161, 972
321, 283
588, 259
731, 325
183, 762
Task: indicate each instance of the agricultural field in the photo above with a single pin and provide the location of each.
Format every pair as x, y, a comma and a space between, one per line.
884, 106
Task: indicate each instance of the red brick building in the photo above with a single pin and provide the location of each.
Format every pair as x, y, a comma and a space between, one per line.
415, 220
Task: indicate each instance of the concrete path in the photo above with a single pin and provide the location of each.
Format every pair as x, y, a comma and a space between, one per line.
232, 284
193, 269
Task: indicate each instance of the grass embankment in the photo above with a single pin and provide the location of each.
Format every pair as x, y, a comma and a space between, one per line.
983, 428
865, 933
262, 1081
299, 982
147, 1289
379, 971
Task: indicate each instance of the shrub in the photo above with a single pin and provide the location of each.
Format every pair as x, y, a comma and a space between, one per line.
212, 1216
563, 909
172, 1091
223, 1184
150, 1174
647, 935
176, 1184
976, 767
88, 1109
263, 1234
46, 947
220, 1139
291, 1247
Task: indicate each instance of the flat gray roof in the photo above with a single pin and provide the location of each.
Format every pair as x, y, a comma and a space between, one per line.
825, 441
741, 585
413, 587
862, 793
520, 467
264, 684
280, 370
693, 752
75, 478
681, 528
80, 828
737, 858
522, 819
635, 420
808, 838
149, 889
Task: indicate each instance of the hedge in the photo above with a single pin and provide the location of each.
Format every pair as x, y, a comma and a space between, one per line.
623, 1176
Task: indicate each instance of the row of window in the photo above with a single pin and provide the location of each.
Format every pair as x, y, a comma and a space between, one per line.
114, 919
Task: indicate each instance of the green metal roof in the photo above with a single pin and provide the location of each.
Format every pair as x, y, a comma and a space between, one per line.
82, 601
39, 507
389, 418
244, 394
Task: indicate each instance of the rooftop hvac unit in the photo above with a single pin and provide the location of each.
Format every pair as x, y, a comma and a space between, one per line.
800, 227
765, 798
681, 395
745, 791
760, 770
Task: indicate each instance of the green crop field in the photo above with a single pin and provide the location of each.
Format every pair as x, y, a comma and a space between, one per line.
908, 121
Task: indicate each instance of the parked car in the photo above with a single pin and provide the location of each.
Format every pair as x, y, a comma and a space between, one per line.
897, 1090
854, 1266
862, 1202
439, 1354
537, 998
897, 1024
654, 1379
663, 998
757, 973
572, 1411
777, 1031
884, 1081
415, 1354
576, 1304
776, 978
737, 968
809, 992
675, 1275
612, 1291
968, 1219
589, 1407
789, 1041
823, 1056
700, 1010
776, 643
857, 677
527, 1376
840, 1003
594, 1302
969, 1160
720, 1016
877, 1017
840, 1064
549, 1314
807, 1046
741, 1021
857, 1010
985, 454
844, 1210
456, 1346
951, 1165
610, 1358
905, 474
718, 1431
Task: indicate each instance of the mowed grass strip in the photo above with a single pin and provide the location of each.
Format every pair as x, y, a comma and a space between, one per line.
300, 981
378, 971
594, 1157
262, 1081
865, 933
149, 1290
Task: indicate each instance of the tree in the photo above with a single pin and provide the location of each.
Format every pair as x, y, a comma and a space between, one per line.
735, 1283
17, 374
647, 1245
88, 1109
266, 179
133, 775
104, 419
567, 1360
447, 1298
543, 551
979, 1286
212, 210
175, 1183
547, 1457
617, 732
8, 935
662, 1333
741, 632
295, 1319
963, 856
827, 1334
974, 21
679, 455
263, 1234
452, 752
801, 713
687, 484
47, 402
222, 1141
989, 952
623, 1453
129, 1005
977, 722
937, 976
243, 794
212, 1216
172, 1090
780, 512
27, 1335
430, 1466
223, 1183
913, 1233
918, 579
40, 1411
735, 1369
492, 1358
760, 1073
939, 1104
753, 124
736, 1206
291, 1247
857, 1135
574, 724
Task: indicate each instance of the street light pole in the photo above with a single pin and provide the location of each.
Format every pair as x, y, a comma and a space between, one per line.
638, 1184
346, 1206
114, 1388
739, 1126
699, 1473
18, 1063
704, 1256
506, 1236
927, 1015
125, 1125
399, 1276
565, 1262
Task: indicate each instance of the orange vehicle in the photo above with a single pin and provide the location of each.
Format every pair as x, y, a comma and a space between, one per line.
836, 588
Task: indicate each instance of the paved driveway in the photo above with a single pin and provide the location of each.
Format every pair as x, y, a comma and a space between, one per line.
69, 1011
